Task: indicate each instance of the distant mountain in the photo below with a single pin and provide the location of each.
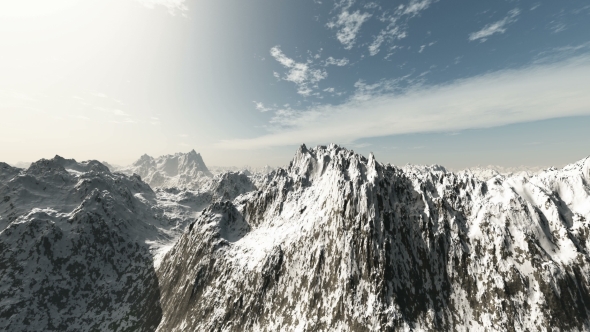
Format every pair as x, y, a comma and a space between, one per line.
21, 164
488, 172
181, 170
340, 242
246, 169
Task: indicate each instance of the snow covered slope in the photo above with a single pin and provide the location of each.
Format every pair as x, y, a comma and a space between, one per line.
488, 172
181, 170
340, 242
75, 243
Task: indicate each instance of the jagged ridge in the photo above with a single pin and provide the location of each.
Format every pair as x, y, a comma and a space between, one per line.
340, 242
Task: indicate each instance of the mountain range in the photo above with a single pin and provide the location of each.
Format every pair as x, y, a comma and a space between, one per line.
335, 241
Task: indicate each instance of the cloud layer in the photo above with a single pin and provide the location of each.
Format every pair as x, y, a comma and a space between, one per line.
513, 96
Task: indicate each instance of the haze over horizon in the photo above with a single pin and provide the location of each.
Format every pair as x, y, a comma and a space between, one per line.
415, 81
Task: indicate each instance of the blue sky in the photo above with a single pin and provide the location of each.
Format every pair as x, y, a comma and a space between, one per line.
459, 83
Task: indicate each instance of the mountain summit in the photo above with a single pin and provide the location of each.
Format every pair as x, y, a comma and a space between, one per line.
183, 170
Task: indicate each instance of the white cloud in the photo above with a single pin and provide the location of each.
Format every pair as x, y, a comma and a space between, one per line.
173, 6
397, 26
557, 27
348, 25
260, 106
302, 74
336, 62
281, 57
512, 96
389, 34
345, 4
424, 46
416, 6
366, 91
496, 27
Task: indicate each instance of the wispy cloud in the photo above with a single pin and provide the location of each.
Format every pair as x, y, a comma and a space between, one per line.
424, 46
348, 25
18, 95
302, 74
397, 24
415, 7
330, 61
260, 106
119, 116
173, 6
562, 53
387, 35
512, 96
557, 27
396, 85
496, 27
99, 94
113, 111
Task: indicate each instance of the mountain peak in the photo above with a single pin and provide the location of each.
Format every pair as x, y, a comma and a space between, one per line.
172, 170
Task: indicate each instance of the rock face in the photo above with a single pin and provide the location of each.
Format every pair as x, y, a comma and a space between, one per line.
181, 170
339, 242
73, 249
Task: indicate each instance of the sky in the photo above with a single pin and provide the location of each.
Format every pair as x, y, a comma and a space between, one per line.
459, 83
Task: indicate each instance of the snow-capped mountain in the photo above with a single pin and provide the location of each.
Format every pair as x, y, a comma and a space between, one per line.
181, 170
488, 172
340, 242
79, 244
76, 248
246, 169
333, 242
